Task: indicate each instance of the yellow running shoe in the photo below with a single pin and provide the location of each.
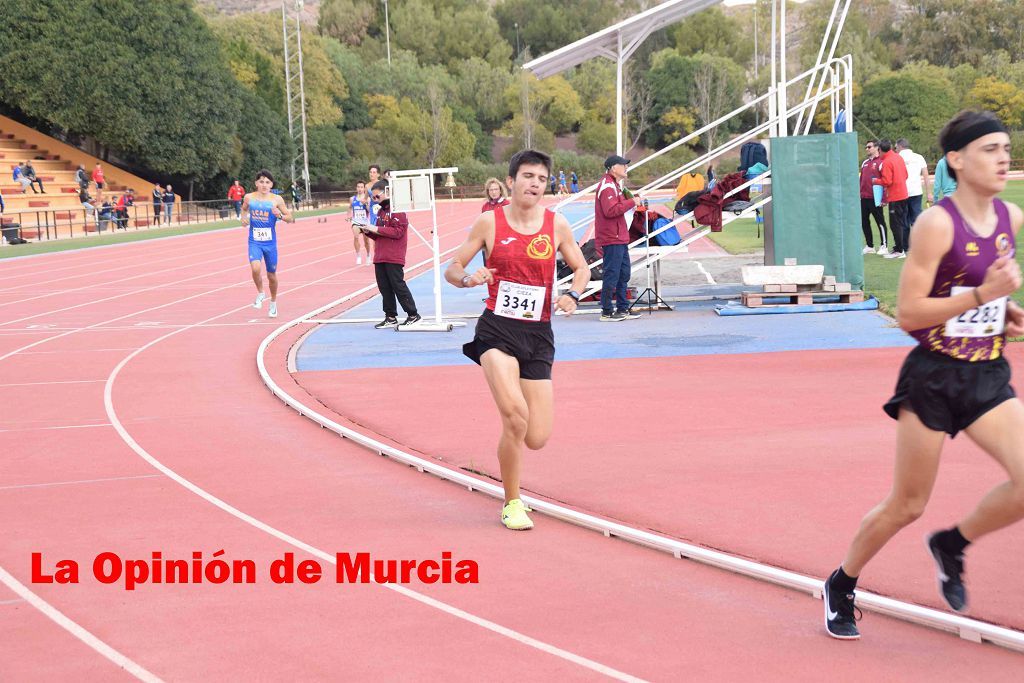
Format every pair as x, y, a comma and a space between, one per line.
514, 516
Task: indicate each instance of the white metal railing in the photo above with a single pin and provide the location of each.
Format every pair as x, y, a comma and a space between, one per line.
837, 85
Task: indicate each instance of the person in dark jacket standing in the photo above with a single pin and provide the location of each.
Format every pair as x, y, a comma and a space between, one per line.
391, 237
158, 202
869, 171
612, 236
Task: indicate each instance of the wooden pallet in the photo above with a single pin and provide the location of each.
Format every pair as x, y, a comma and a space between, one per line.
759, 299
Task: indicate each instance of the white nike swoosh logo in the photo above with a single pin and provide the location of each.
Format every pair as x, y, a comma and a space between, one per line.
831, 614
508, 240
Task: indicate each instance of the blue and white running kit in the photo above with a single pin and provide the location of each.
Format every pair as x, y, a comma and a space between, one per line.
263, 233
360, 212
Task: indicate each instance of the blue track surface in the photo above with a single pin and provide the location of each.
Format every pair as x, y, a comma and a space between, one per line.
691, 329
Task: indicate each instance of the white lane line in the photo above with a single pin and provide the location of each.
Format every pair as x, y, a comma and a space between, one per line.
76, 482
92, 275
968, 629
321, 554
66, 381
43, 429
247, 281
85, 251
130, 328
75, 629
18, 601
161, 286
61, 351
51, 612
319, 247
700, 267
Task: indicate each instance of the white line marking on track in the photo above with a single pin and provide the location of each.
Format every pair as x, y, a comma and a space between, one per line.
79, 481
66, 381
316, 552
62, 351
971, 629
318, 247
700, 267
41, 429
75, 629
17, 601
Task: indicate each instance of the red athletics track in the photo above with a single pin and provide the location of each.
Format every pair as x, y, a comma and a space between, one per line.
557, 602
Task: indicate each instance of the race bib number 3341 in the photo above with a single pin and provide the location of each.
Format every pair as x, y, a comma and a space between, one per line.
520, 302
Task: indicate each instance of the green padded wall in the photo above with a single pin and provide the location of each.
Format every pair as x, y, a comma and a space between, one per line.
816, 204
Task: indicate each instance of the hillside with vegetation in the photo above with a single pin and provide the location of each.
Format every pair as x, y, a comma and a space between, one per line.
194, 91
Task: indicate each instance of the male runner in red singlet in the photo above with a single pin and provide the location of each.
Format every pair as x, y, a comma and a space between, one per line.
954, 299
514, 343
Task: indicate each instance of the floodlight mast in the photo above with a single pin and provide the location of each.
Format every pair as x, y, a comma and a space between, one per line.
294, 79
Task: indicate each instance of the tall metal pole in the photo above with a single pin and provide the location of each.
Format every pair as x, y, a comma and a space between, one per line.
757, 58
783, 104
302, 102
772, 102
618, 97
287, 79
387, 31
293, 62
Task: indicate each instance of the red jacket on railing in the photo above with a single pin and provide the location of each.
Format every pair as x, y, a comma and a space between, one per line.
610, 208
392, 237
709, 205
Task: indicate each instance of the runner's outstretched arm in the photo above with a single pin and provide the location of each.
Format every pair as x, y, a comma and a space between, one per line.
456, 273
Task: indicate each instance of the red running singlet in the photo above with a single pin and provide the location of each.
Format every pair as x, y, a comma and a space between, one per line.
521, 260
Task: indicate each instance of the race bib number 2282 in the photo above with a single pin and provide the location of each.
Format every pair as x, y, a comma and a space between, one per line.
983, 321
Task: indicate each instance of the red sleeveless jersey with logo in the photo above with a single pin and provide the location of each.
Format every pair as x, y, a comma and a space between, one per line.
523, 259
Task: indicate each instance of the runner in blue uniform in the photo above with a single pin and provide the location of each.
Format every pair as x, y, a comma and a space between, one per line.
260, 211
361, 213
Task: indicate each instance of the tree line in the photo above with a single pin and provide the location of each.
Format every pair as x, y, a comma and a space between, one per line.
176, 90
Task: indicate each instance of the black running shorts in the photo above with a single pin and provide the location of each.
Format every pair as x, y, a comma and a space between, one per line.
531, 343
947, 394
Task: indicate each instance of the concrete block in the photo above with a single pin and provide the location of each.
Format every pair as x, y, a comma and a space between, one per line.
782, 275
828, 288
843, 287
829, 280
772, 288
788, 289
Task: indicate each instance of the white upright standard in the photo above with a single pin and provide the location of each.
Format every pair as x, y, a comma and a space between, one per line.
413, 191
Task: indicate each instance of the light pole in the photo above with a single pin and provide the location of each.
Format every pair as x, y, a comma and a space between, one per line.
517, 41
387, 31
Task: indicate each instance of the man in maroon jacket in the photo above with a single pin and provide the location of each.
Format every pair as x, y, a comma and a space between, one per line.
391, 237
893, 179
612, 236
869, 170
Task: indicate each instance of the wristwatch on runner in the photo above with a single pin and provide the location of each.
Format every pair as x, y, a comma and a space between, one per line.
575, 295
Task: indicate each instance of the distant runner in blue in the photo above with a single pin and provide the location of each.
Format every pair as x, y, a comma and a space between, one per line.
260, 211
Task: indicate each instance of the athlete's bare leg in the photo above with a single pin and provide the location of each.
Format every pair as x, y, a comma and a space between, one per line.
540, 400
502, 373
272, 279
917, 464
357, 243
1000, 433
257, 274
